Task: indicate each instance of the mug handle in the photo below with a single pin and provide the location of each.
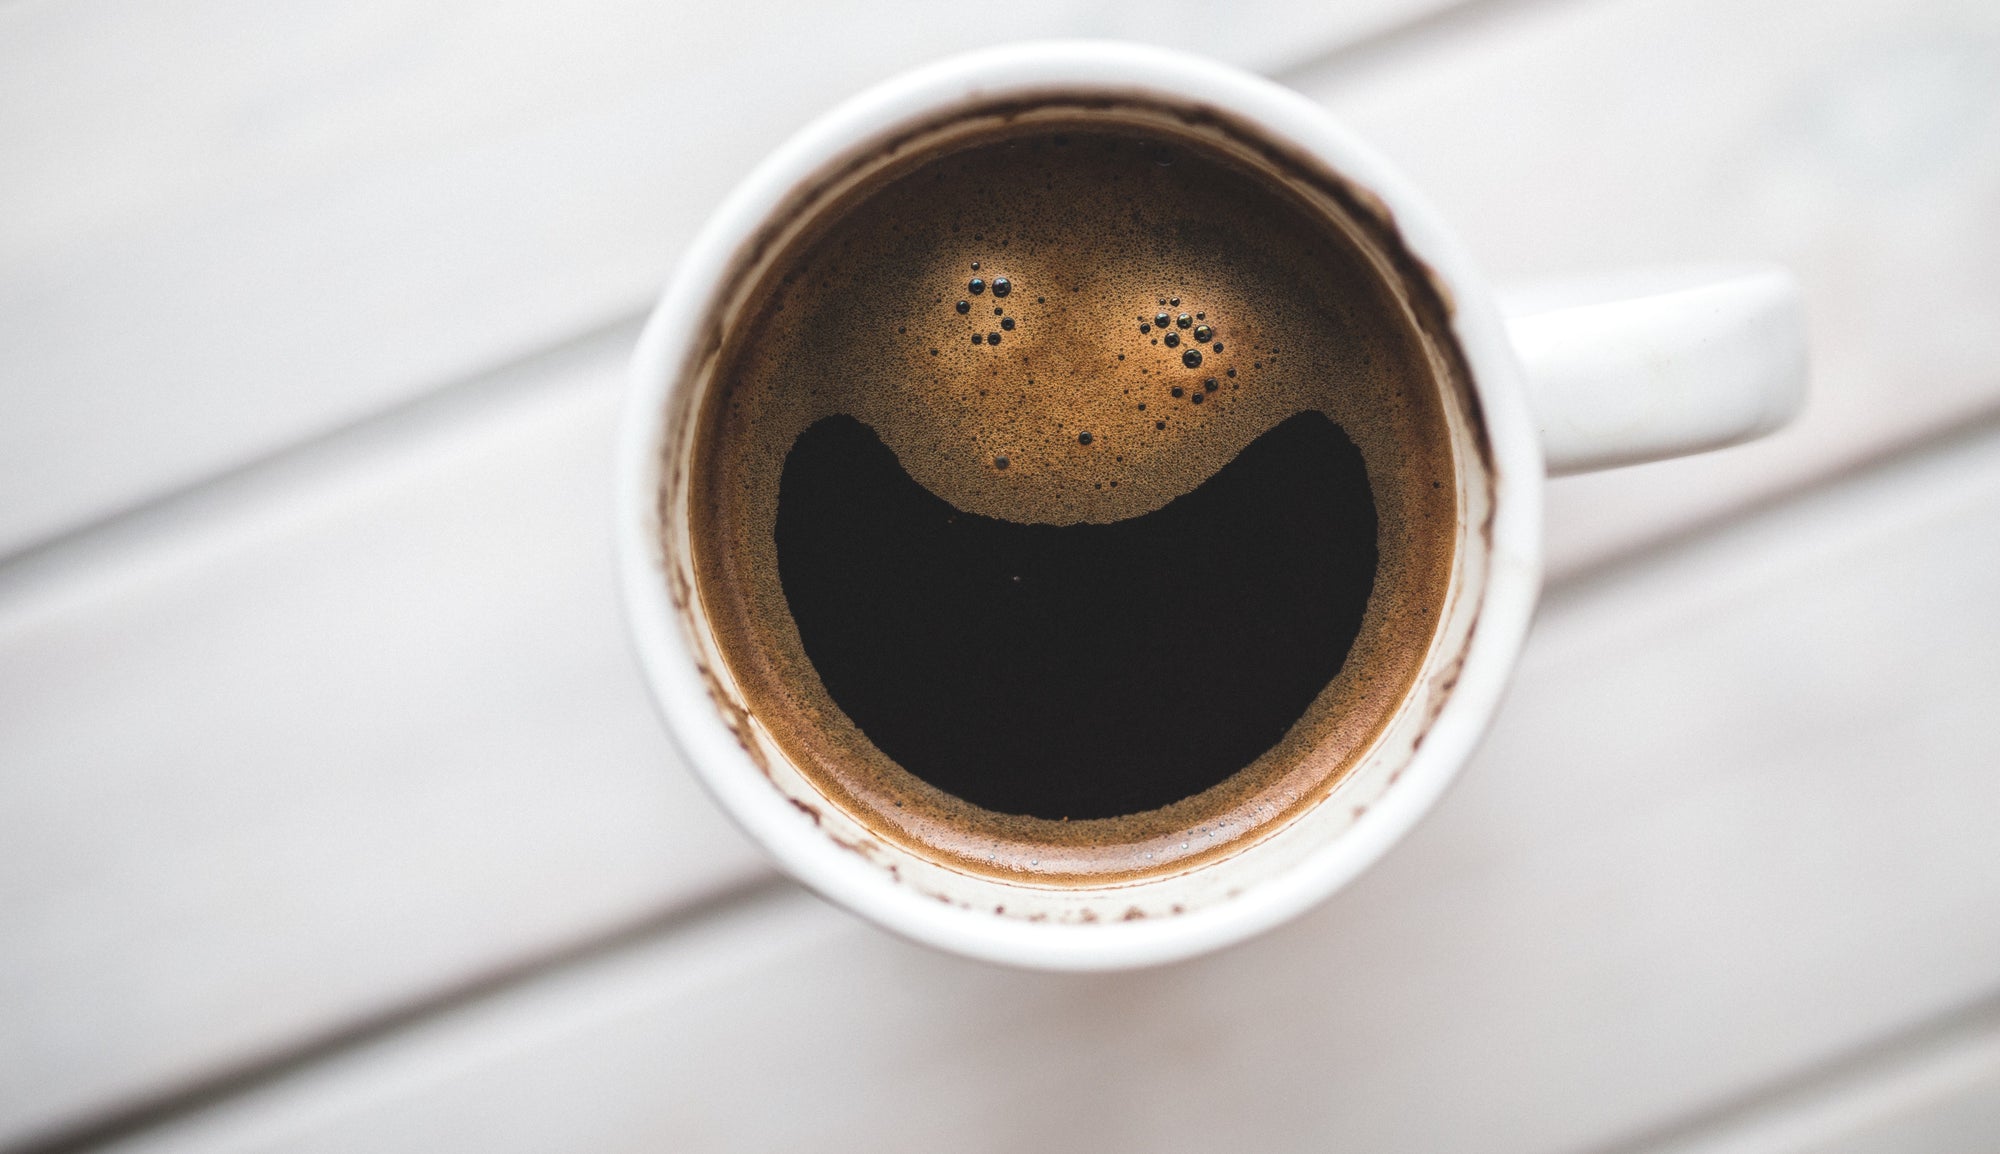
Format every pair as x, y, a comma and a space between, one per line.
1655, 363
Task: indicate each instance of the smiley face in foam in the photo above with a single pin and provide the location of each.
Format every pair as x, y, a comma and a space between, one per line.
1169, 399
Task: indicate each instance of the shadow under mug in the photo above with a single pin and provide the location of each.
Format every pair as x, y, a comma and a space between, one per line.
1581, 375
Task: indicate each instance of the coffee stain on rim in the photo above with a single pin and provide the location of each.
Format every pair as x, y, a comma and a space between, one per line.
736, 715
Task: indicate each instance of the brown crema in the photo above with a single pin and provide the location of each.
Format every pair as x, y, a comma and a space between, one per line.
1063, 399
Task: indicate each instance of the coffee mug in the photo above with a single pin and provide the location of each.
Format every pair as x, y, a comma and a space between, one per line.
1555, 378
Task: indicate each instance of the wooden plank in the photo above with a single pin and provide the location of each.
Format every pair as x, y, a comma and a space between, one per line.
328, 743
1936, 1091
1857, 142
229, 227
1966, 1117
1735, 820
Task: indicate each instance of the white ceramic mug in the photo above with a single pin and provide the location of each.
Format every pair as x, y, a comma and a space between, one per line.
1581, 375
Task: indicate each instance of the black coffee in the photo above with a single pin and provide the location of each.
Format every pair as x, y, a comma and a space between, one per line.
1077, 671
1069, 484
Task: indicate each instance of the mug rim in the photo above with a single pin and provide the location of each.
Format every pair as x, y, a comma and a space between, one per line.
667, 351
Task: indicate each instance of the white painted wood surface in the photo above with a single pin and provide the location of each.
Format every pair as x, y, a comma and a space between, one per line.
1735, 820
1857, 142
355, 728
329, 741
1934, 1091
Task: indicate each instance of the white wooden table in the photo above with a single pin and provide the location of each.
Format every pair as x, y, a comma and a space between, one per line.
333, 816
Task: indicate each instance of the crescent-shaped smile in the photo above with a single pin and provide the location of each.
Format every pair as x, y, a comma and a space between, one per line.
1078, 671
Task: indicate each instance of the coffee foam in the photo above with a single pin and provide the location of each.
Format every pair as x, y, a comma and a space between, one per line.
1097, 228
